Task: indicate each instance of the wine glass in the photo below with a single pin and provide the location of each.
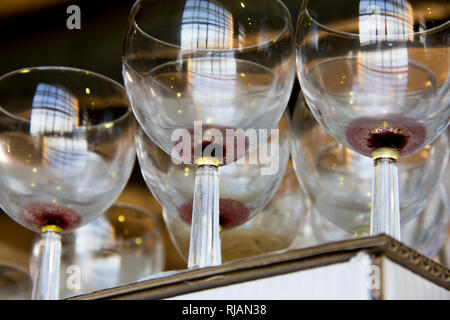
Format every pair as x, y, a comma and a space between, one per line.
245, 188
273, 228
425, 233
122, 246
376, 75
66, 152
339, 182
207, 81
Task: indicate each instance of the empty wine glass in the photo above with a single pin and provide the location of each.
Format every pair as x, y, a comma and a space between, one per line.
245, 188
207, 81
376, 75
66, 152
339, 182
272, 229
122, 246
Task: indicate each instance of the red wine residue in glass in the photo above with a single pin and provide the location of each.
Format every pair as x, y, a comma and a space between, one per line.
36, 215
217, 146
398, 132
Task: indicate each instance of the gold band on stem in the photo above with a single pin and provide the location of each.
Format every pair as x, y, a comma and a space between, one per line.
207, 161
388, 153
51, 227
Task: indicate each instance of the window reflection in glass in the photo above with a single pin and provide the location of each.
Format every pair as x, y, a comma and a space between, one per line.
54, 116
384, 27
208, 25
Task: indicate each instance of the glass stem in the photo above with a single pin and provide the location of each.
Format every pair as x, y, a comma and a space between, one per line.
46, 278
385, 216
204, 250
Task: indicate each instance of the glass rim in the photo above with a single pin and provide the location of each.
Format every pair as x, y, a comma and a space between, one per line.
357, 35
287, 23
126, 115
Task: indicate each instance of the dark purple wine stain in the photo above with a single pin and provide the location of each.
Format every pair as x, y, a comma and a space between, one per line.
387, 138
232, 213
395, 131
36, 215
210, 149
214, 148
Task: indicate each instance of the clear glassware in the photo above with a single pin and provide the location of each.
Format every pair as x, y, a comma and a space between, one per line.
207, 86
426, 233
122, 246
66, 152
339, 182
245, 188
272, 229
376, 75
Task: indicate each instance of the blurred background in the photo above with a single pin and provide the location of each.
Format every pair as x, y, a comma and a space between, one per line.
34, 33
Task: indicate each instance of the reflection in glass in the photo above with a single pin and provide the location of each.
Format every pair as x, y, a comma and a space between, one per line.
385, 20
206, 24
55, 111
